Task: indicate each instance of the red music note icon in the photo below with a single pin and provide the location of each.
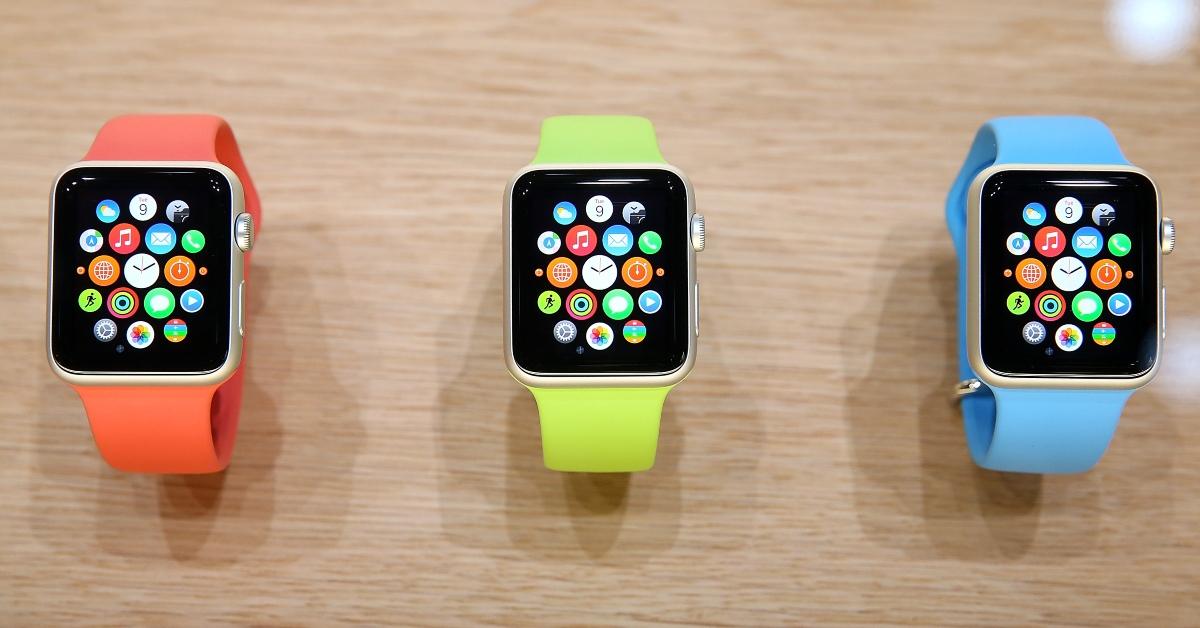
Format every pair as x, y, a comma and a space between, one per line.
124, 238
581, 239
1050, 241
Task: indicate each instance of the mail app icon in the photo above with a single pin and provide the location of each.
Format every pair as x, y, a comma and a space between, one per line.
618, 240
160, 239
1086, 242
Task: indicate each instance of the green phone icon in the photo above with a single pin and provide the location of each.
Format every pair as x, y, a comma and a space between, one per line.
1119, 244
192, 241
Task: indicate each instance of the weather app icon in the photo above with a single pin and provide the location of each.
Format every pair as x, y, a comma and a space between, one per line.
108, 211
564, 213
1034, 214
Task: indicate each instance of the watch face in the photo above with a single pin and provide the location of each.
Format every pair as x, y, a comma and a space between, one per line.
141, 270
599, 272
1069, 264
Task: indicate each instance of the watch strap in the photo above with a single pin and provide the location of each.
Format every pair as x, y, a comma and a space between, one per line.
599, 430
169, 429
1031, 430
597, 139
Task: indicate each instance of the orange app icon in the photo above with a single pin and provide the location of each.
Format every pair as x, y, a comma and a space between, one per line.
1106, 274
1031, 273
636, 272
179, 271
104, 270
561, 272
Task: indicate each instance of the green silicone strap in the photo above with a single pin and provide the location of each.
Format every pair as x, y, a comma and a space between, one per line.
600, 430
597, 139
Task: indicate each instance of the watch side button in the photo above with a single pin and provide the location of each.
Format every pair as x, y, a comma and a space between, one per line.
243, 232
241, 308
697, 310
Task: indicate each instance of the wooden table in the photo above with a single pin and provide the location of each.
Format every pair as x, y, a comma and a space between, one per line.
812, 470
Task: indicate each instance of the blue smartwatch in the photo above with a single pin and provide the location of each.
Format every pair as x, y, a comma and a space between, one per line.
1060, 243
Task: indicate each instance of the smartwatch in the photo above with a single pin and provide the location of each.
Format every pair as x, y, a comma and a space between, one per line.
601, 309
1061, 301
149, 248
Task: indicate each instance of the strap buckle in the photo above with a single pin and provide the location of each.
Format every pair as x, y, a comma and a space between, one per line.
966, 388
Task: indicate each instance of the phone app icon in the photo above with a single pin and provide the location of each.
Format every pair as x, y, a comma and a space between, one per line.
1050, 241
1068, 337
548, 302
124, 238
104, 270
179, 271
1049, 305
178, 212
1104, 334
560, 272
1087, 242
1034, 214
1087, 306
581, 304
1104, 215
104, 330
564, 213
618, 304
1033, 332
192, 241
549, 242
160, 238
650, 302
1119, 244
89, 300
599, 208
122, 302
618, 240
634, 213
581, 240
1106, 274
636, 271
141, 270
159, 303
191, 301
140, 334
1068, 274
175, 330
1018, 243
108, 211
1018, 303
634, 332
1119, 304
91, 240
1031, 273
564, 331
1068, 210
143, 207
650, 242
599, 336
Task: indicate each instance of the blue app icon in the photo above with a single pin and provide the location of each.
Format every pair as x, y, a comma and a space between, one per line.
564, 213
1087, 242
618, 240
1034, 214
191, 301
1119, 304
108, 211
160, 238
650, 301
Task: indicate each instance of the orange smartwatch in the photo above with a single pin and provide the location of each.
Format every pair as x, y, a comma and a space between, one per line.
150, 239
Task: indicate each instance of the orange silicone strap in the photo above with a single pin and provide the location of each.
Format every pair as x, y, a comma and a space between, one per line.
169, 429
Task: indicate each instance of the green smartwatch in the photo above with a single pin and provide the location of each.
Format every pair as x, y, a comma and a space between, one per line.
601, 301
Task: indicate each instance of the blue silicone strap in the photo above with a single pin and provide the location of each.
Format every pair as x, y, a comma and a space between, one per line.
1029, 430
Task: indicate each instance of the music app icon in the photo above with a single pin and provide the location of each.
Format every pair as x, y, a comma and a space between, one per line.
581, 240
124, 238
1050, 241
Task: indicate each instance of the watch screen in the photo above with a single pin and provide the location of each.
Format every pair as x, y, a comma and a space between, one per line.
600, 271
1069, 264
140, 265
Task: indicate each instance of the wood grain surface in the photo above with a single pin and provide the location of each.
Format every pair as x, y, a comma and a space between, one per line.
812, 470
